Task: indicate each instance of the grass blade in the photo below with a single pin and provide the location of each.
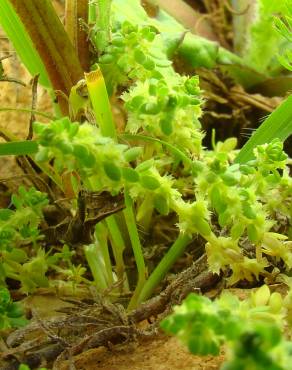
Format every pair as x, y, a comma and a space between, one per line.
18, 148
277, 125
22, 43
100, 103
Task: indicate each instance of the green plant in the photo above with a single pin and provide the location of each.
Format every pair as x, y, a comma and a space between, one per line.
235, 201
11, 313
251, 329
284, 27
163, 110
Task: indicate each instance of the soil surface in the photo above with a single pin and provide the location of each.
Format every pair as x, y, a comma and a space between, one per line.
161, 353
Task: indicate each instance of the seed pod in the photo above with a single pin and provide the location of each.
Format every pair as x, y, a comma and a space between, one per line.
247, 170
162, 91
248, 211
89, 161
46, 137
80, 151
194, 101
172, 102
261, 296
166, 126
118, 41
139, 56
65, 147
150, 108
275, 302
148, 33
149, 182
134, 104
252, 233
74, 128
133, 153
130, 175
84, 156
217, 201
229, 179
146, 165
123, 63
5, 214
161, 204
106, 59
237, 230
223, 218
148, 64
192, 85
112, 171
211, 177
153, 86
42, 155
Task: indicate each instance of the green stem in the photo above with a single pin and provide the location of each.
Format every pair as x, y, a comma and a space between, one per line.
103, 24
95, 259
118, 246
91, 12
22, 43
145, 211
137, 249
102, 236
76, 11
172, 255
100, 103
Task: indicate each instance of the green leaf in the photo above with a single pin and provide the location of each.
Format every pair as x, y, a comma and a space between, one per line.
22, 43
18, 148
277, 125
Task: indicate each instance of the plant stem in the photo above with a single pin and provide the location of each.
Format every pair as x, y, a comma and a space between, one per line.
100, 103
22, 43
102, 235
76, 11
175, 251
137, 249
145, 212
95, 259
91, 12
52, 43
118, 246
103, 24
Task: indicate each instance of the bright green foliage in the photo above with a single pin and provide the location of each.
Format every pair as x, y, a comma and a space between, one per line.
22, 224
277, 125
97, 159
249, 200
251, 329
11, 313
21, 257
122, 60
284, 26
264, 41
158, 94
20, 228
21, 41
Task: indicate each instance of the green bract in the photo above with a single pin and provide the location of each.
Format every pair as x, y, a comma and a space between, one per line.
250, 328
11, 313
